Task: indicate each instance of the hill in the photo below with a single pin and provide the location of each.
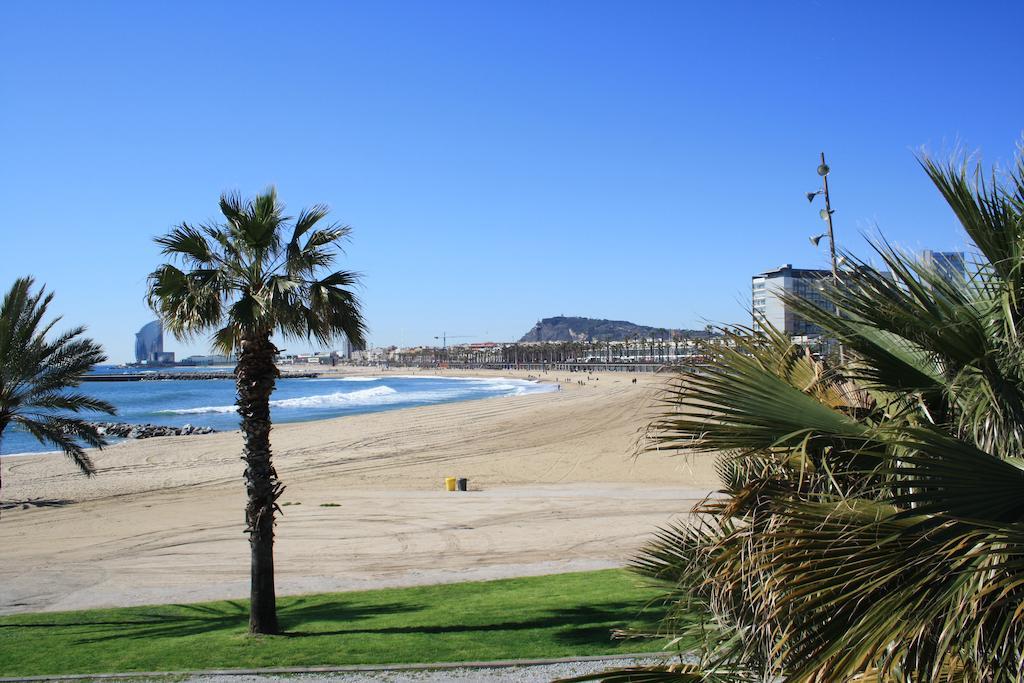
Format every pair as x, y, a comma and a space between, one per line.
570, 328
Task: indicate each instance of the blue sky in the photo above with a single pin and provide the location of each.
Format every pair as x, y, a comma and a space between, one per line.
498, 161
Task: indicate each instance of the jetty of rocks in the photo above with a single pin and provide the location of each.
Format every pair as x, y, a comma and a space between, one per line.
125, 430
154, 376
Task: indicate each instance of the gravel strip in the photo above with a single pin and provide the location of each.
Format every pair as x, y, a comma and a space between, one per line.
539, 673
522, 671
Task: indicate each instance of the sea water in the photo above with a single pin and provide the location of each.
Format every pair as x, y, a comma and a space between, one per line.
210, 402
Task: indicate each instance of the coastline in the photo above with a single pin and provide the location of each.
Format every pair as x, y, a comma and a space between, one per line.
327, 373
553, 483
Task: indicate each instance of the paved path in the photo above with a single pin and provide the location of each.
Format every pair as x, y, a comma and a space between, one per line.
512, 671
537, 673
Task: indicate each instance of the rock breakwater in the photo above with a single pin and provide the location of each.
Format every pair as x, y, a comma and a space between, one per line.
158, 376
126, 430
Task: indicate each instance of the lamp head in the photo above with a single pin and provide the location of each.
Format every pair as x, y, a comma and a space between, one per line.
817, 238
823, 170
811, 196
824, 214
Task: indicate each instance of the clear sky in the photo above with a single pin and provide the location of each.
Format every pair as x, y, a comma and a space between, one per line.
499, 162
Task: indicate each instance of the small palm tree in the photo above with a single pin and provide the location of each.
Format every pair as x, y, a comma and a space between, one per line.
870, 525
36, 373
258, 273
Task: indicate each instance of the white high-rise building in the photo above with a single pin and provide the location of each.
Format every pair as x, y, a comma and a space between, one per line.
149, 343
769, 307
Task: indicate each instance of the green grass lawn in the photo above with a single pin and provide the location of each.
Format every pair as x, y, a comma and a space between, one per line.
547, 616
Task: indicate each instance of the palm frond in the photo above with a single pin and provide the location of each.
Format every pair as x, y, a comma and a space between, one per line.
186, 305
870, 525
38, 369
248, 277
307, 219
190, 243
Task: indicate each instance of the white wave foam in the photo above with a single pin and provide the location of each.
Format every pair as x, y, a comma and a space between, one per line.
18, 455
424, 377
384, 395
532, 388
475, 380
507, 386
339, 398
514, 387
460, 379
198, 411
341, 379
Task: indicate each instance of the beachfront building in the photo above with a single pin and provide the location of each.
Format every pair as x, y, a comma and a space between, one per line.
318, 358
371, 355
767, 303
149, 343
215, 359
635, 351
768, 306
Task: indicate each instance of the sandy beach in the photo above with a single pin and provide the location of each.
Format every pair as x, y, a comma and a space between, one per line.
554, 486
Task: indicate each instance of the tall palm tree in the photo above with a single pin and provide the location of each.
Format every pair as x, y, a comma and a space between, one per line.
256, 274
36, 374
870, 525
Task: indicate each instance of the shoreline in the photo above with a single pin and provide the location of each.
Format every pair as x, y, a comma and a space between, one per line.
325, 374
554, 486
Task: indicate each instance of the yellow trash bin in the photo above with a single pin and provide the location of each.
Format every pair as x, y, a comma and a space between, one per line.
449, 483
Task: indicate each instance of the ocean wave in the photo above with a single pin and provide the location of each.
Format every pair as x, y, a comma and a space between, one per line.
337, 399
502, 388
534, 389
385, 395
340, 379
474, 380
451, 379
515, 387
509, 386
197, 411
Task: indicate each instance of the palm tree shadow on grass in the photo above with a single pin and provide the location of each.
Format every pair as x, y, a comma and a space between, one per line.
191, 620
576, 626
149, 623
591, 624
297, 614
307, 618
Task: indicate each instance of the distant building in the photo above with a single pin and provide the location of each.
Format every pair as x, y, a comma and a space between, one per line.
949, 264
149, 342
318, 358
768, 306
354, 351
208, 360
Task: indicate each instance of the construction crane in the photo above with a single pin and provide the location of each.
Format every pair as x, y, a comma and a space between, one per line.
445, 337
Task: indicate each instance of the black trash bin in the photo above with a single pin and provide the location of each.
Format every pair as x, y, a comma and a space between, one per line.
461, 484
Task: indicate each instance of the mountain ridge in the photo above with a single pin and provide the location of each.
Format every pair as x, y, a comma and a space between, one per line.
577, 328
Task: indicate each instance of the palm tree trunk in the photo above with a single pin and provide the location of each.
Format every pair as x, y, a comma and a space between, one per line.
256, 374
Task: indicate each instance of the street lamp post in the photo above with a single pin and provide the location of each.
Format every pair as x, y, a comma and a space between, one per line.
826, 215
823, 172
